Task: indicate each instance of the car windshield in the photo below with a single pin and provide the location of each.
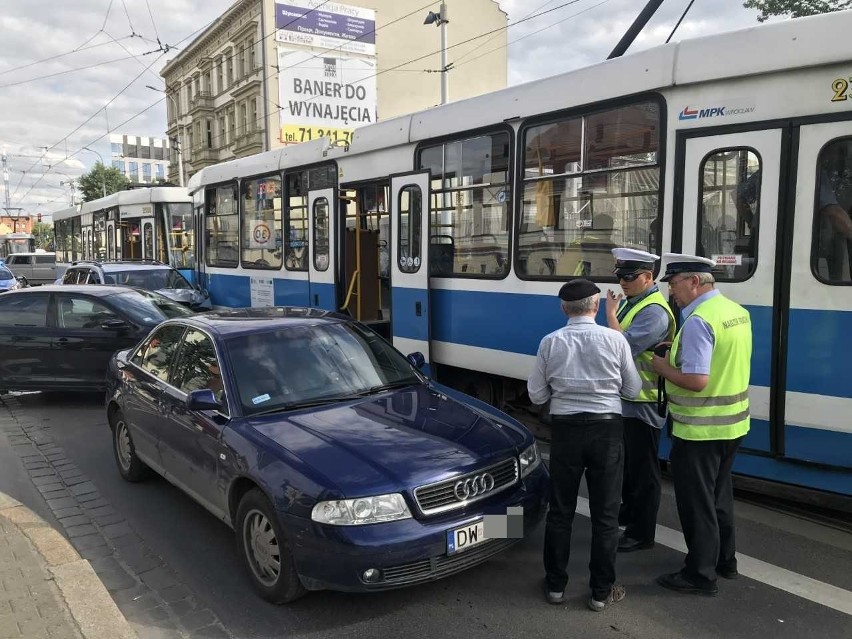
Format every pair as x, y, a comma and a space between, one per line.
6, 274
307, 365
152, 279
149, 308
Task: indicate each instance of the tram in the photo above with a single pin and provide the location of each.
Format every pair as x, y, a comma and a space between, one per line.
451, 230
152, 223
16, 243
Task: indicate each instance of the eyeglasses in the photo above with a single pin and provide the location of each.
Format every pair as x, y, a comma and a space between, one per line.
629, 277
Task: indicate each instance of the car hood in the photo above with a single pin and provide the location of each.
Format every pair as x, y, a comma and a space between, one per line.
187, 296
395, 440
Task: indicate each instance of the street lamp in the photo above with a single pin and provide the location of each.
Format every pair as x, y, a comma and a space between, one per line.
103, 170
176, 139
441, 20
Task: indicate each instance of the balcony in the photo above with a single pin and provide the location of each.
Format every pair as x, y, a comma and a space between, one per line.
202, 156
201, 102
249, 142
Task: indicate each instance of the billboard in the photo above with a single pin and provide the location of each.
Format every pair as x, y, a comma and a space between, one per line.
324, 96
330, 25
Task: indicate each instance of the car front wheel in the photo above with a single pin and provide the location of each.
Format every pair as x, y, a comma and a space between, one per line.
264, 550
129, 465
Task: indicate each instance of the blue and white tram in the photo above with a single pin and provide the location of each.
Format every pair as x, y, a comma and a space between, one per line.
152, 223
452, 229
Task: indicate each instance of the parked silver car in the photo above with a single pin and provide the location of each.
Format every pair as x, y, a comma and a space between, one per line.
35, 268
150, 275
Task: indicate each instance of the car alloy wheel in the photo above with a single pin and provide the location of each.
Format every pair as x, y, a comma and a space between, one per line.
265, 556
129, 465
264, 549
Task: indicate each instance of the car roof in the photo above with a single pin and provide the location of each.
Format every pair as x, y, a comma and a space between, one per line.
98, 290
32, 253
124, 266
236, 321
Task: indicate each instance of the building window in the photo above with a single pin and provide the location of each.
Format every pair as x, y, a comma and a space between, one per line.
146, 172
209, 134
206, 87
261, 223
728, 210
241, 69
219, 80
254, 126
223, 132
115, 147
831, 252
118, 164
591, 183
222, 226
470, 216
134, 171
233, 127
230, 62
161, 171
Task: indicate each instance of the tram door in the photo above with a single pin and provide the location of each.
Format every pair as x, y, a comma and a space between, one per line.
409, 259
322, 263
818, 397
730, 211
149, 238
198, 237
110, 238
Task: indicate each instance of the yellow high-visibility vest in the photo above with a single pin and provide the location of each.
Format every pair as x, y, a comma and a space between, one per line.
649, 392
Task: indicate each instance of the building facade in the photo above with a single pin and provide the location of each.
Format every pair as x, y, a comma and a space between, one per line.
143, 160
230, 93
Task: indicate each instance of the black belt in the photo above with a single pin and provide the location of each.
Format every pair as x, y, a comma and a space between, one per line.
582, 418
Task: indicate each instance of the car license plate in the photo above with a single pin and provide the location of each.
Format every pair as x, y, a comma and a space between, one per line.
465, 537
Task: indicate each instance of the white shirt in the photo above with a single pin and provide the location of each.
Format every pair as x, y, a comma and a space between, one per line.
583, 368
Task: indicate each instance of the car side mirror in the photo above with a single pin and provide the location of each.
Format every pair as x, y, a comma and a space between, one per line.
22, 281
416, 360
114, 325
203, 399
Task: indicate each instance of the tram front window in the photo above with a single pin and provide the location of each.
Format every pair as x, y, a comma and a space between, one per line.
181, 235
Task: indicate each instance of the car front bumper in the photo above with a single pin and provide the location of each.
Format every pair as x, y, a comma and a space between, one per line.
409, 551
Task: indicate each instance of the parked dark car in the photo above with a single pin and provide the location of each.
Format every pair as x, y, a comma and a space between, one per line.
148, 274
58, 337
338, 464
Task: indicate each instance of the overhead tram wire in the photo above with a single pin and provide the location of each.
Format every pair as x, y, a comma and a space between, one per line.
683, 15
536, 32
67, 71
153, 24
60, 55
47, 149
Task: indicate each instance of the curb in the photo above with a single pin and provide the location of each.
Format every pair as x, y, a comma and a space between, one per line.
88, 601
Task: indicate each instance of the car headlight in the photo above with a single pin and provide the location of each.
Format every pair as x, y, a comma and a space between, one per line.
363, 510
530, 459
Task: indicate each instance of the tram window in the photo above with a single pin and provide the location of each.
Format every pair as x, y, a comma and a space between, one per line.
591, 183
296, 222
261, 223
320, 222
831, 252
222, 226
409, 223
99, 237
469, 213
728, 212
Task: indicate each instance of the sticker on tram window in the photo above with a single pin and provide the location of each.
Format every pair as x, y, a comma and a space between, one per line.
841, 89
727, 260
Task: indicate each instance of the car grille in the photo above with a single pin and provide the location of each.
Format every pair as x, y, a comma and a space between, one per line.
445, 565
441, 496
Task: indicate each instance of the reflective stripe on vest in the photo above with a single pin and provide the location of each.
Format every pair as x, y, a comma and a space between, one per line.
721, 409
649, 392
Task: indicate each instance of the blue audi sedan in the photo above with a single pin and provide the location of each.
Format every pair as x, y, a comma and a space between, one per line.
338, 464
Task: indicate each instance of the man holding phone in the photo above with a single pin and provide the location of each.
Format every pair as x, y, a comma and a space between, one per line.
643, 316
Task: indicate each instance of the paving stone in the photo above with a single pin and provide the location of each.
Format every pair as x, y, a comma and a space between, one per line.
56, 494
46, 479
95, 503
83, 489
65, 502
42, 471
67, 512
100, 510
50, 486
198, 619
106, 520
80, 531
114, 531
211, 632
158, 578
135, 593
74, 520
174, 593
88, 497
95, 552
116, 579
73, 480
88, 541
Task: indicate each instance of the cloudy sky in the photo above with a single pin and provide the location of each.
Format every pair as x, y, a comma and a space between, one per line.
71, 72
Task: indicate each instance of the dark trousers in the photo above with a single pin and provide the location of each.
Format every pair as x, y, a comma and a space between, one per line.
640, 493
584, 444
701, 471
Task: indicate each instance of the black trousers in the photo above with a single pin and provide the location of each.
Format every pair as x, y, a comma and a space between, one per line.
640, 493
701, 471
594, 447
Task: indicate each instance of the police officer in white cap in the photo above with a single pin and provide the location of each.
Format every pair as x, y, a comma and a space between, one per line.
643, 315
707, 376
583, 369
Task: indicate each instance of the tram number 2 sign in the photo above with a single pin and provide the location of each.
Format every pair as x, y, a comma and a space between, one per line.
261, 235
841, 88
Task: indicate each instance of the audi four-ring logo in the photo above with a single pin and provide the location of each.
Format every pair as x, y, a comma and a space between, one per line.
473, 486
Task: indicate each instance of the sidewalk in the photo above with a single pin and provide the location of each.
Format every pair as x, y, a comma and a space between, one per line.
46, 590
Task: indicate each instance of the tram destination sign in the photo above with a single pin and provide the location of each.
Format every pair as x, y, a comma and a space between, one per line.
314, 23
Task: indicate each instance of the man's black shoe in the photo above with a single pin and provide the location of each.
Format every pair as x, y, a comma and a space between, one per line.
628, 544
677, 582
727, 573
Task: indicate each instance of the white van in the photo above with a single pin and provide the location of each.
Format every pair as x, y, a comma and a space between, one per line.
36, 268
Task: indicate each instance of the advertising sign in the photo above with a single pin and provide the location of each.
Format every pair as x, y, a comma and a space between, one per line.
324, 96
314, 23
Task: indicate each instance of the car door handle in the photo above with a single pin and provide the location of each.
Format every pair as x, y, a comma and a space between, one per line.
62, 340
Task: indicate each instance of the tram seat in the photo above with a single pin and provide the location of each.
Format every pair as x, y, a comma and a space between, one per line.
441, 255
481, 258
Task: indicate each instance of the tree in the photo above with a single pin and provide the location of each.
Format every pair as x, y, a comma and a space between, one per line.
795, 8
43, 234
92, 183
